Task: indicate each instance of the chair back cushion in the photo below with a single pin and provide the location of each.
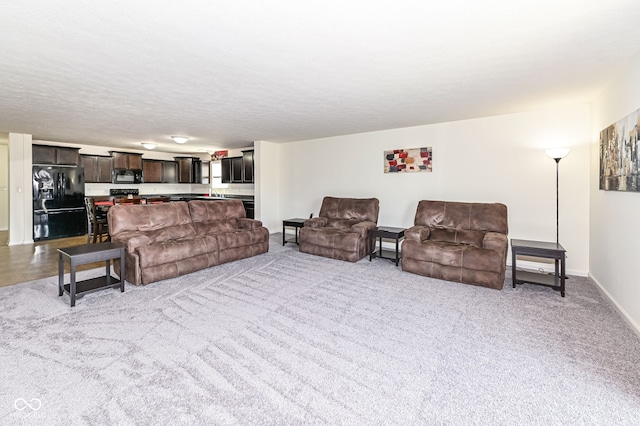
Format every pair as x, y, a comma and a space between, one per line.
146, 218
485, 217
356, 209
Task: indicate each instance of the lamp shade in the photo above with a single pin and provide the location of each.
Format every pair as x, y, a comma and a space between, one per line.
180, 139
557, 153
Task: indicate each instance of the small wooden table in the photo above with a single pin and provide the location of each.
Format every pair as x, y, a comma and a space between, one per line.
89, 253
296, 223
539, 249
390, 233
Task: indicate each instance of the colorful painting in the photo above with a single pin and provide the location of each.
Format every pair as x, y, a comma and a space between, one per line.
619, 155
219, 155
408, 160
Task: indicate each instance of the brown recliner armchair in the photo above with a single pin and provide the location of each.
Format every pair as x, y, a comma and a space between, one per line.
462, 242
341, 229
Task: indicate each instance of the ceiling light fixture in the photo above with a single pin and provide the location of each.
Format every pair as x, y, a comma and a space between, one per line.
149, 145
180, 139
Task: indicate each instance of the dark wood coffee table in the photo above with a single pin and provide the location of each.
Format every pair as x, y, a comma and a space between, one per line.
296, 223
387, 232
89, 253
539, 249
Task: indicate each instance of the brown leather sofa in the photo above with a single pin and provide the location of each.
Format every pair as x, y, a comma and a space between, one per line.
171, 239
341, 229
462, 242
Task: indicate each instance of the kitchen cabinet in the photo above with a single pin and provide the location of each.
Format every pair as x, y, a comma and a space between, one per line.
152, 171
238, 169
44, 154
97, 168
247, 166
189, 169
126, 160
169, 172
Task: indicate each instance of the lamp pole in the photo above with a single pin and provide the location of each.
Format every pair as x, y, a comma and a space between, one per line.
557, 155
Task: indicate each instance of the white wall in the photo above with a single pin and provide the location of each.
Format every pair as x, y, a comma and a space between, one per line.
614, 222
267, 191
494, 159
20, 190
4, 183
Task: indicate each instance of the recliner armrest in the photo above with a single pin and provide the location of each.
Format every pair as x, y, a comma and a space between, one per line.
495, 241
246, 223
417, 233
316, 222
362, 228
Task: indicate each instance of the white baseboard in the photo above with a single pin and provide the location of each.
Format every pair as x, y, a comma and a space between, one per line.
634, 325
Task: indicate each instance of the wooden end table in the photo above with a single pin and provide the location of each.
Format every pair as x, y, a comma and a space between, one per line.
539, 249
389, 233
89, 253
296, 223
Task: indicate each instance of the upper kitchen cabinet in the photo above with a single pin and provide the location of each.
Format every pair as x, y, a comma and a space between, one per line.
43, 154
169, 172
247, 166
97, 168
126, 160
152, 171
238, 169
189, 169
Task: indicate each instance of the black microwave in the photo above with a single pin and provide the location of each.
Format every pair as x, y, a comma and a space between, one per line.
127, 176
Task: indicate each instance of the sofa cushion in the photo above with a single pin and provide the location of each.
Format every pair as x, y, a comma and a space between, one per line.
151, 217
460, 236
219, 210
457, 215
216, 226
333, 238
350, 208
176, 250
241, 238
454, 255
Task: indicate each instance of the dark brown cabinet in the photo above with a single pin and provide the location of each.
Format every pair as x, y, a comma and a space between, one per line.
97, 168
238, 169
126, 160
43, 154
189, 169
169, 172
152, 171
247, 166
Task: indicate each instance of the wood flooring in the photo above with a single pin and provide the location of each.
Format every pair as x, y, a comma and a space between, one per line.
29, 262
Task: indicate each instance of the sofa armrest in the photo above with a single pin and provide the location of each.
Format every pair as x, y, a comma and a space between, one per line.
316, 222
363, 228
245, 223
495, 241
417, 233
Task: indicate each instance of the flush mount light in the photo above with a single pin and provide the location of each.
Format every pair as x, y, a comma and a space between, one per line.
180, 139
149, 145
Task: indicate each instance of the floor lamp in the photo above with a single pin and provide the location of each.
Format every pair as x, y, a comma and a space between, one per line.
557, 154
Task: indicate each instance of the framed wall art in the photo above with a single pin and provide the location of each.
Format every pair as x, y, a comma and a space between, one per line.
408, 160
619, 155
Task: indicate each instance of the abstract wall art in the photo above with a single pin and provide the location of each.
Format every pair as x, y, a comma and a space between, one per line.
408, 160
619, 155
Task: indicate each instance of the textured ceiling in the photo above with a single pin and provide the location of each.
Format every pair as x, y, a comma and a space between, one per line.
226, 73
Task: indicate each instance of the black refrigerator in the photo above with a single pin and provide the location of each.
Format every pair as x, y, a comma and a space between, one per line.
58, 202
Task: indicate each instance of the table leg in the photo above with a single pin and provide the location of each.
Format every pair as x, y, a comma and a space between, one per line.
284, 235
513, 268
397, 241
297, 234
562, 276
108, 270
60, 274
122, 252
72, 286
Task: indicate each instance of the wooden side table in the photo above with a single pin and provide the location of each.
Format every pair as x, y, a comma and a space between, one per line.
539, 249
296, 223
89, 253
389, 233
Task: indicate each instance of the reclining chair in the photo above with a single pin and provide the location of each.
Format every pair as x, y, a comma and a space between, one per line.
341, 229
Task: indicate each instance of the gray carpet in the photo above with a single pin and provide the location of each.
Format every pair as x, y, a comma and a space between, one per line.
290, 338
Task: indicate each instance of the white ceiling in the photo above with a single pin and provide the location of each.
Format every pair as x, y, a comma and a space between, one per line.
226, 73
